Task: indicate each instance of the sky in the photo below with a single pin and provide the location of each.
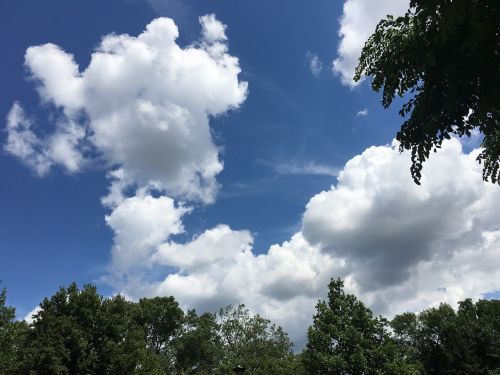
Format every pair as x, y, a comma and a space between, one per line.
220, 152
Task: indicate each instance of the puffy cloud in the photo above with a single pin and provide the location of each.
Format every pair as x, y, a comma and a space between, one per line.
57, 74
315, 64
141, 223
466, 272
398, 246
358, 22
402, 242
212, 30
218, 268
143, 103
38, 153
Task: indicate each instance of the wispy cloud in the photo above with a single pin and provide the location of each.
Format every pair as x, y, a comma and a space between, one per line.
362, 113
315, 64
301, 168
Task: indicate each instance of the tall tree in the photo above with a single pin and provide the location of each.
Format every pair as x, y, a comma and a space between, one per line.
198, 347
252, 342
7, 315
444, 55
78, 332
346, 338
161, 319
12, 335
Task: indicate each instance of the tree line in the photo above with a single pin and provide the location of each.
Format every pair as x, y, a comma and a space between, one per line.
78, 331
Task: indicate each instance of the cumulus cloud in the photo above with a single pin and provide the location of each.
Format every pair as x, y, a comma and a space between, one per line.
315, 64
212, 30
218, 268
358, 22
41, 153
143, 103
140, 224
395, 235
398, 246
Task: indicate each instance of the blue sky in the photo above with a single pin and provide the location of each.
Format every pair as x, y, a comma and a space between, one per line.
282, 146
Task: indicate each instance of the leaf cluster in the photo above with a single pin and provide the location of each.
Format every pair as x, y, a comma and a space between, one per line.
444, 57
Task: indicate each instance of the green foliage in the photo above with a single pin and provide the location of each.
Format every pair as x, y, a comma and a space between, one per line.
253, 343
77, 332
198, 346
465, 342
11, 333
160, 319
80, 332
346, 338
445, 56
7, 315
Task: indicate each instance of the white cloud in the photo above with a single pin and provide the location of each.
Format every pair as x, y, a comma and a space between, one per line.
141, 223
41, 153
218, 268
362, 113
143, 102
396, 237
212, 30
315, 64
29, 316
358, 22
23, 143
399, 246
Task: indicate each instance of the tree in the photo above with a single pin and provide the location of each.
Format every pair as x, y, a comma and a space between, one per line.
160, 319
79, 332
198, 347
462, 342
11, 337
7, 315
121, 340
254, 343
58, 341
346, 338
445, 56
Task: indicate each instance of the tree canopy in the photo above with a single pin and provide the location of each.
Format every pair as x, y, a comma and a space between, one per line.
446, 342
346, 338
78, 331
444, 57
